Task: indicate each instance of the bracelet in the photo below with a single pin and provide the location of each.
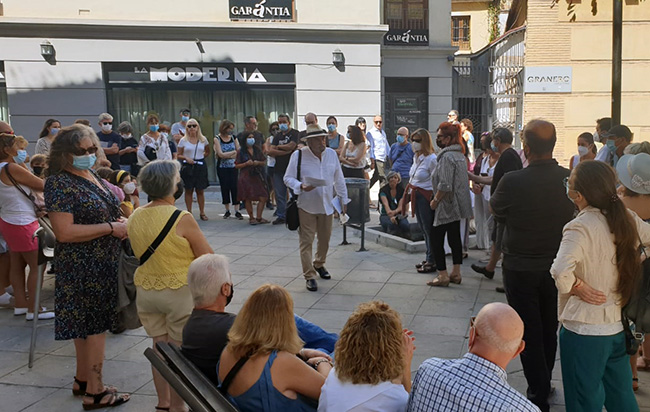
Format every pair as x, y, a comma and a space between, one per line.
111, 225
321, 361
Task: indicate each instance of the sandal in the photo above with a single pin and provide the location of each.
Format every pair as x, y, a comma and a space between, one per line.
261, 220
427, 268
82, 388
439, 282
419, 265
635, 384
643, 363
455, 279
113, 400
203, 217
252, 222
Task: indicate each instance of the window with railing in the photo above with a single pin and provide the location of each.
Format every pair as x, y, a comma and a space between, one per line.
406, 14
460, 32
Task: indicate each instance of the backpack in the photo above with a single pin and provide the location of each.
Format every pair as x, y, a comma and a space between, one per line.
637, 310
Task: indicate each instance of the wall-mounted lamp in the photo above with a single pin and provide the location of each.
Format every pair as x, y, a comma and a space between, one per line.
47, 50
338, 58
199, 45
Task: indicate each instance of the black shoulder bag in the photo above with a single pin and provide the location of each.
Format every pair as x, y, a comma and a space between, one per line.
223, 388
292, 216
163, 234
637, 310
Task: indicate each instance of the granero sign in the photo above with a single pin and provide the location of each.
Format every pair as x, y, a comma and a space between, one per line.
406, 37
203, 73
269, 10
548, 79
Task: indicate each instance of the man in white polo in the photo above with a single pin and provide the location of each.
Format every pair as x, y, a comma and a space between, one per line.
321, 178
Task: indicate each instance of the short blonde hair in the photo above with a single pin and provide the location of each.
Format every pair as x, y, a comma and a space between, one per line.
370, 347
21, 142
265, 323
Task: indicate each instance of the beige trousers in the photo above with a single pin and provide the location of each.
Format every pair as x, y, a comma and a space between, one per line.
311, 225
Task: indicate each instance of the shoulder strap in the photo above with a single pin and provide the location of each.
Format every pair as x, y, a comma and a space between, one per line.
163, 234
299, 162
231, 375
19, 187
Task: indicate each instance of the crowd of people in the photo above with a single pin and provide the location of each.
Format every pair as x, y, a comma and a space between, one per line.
569, 241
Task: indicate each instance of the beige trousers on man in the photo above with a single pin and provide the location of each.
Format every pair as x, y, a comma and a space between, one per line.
310, 225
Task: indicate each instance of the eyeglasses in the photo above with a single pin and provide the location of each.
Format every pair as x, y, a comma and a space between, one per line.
105, 123
80, 151
192, 126
378, 122
416, 141
451, 115
275, 129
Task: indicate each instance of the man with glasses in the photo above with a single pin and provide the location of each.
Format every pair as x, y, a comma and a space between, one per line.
452, 116
401, 155
379, 150
110, 140
478, 381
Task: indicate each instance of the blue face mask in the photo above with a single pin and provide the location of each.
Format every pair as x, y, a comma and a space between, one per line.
611, 145
250, 141
21, 156
493, 147
331, 127
185, 118
54, 131
284, 127
400, 139
154, 127
85, 162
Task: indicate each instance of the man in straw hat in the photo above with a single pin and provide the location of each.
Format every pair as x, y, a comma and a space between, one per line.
320, 178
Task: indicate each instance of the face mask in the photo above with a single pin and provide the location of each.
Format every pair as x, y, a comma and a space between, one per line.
250, 141
129, 188
331, 127
400, 139
179, 190
416, 146
284, 127
126, 136
85, 162
38, 170
185, 118
107, 127
582, 151
596, 137
493, 147
611, 145
154, 127
440, 144
232, 293
21, 156
54, 131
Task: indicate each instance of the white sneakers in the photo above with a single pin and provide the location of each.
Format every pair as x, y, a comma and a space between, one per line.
6, 300
43, 315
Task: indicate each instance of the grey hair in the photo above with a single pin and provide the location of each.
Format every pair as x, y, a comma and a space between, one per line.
492, 338
393, 173
205, 277
125, 127
158, 178
104, 116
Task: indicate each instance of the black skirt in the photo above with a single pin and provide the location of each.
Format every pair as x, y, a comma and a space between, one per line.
194, 176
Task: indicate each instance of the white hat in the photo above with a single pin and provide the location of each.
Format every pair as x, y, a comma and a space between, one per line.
634, 172
314, 130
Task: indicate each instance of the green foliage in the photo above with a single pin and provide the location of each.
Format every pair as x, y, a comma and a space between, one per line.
493, 19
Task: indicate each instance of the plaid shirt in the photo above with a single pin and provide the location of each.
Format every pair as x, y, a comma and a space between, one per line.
469, 384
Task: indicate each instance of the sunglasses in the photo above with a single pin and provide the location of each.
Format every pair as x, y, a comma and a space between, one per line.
378, 122
192, 126
275, 129
105, 123
80, 151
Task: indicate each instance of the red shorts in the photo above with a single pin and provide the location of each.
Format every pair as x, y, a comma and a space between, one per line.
19, 238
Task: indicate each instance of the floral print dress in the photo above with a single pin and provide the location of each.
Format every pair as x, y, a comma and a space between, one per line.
85, 289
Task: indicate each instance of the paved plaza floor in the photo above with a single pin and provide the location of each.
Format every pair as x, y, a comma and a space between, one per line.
259, 254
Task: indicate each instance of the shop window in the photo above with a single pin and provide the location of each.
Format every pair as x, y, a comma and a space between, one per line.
406, 14
460, 36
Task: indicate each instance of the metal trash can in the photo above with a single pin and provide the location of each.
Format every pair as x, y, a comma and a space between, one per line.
358, 210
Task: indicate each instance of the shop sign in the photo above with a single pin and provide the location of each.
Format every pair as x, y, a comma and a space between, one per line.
269, 10
409, 37
244, 74
548, 79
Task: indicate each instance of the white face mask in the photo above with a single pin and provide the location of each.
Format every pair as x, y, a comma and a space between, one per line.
107, 127
582, 151
129, 188
416, 146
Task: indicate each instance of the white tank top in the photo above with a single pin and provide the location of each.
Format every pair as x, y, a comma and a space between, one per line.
15, 208
351, 154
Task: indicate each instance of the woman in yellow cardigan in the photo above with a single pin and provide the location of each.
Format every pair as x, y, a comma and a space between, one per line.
163, 298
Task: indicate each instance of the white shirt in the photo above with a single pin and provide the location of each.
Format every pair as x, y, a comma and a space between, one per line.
15, 207
379, 143
161, 145
337, 396
191, 150
328, 167
587, 252
422, 170
270, 160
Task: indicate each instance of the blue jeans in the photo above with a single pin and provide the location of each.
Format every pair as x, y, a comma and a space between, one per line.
424, 215
315, 337
280, 194
391, 228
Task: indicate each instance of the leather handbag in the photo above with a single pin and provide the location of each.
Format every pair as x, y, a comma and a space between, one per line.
292, 216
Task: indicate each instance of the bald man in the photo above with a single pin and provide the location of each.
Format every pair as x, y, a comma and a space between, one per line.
5, 128
401, 155
532, 205
310, 118
478, 381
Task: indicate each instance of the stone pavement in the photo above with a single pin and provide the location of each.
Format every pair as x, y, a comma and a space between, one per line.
260, 254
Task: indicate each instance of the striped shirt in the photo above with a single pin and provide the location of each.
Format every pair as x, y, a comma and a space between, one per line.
468, 384
450, 176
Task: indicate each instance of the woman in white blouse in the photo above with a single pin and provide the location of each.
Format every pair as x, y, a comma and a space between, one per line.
596, 272
420, 192
482, 215
193, 149
155, 141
